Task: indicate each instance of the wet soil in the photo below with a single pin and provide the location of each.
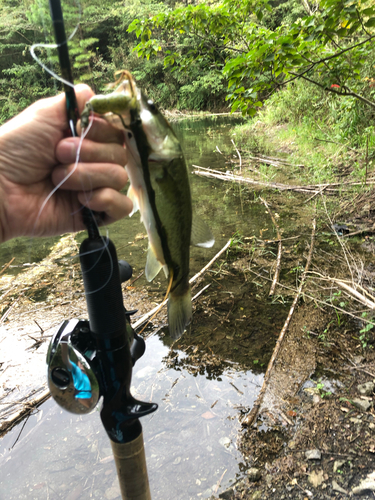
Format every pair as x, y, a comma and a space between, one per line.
321, 417
315, 433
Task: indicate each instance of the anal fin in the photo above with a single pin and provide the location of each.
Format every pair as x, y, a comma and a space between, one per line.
153, 266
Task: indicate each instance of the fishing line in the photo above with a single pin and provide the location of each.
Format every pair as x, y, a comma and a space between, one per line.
85, 131
49, 196
56, 46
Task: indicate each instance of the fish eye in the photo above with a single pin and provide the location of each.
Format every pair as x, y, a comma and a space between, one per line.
130, 135
151, 106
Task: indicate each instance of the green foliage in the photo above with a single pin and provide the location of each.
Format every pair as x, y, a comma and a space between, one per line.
25, 81
197, 55
321, 391
329, 48
364, 337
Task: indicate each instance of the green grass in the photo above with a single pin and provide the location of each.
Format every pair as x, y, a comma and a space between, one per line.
312, 128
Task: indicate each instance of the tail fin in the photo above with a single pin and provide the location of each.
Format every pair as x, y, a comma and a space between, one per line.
179, 312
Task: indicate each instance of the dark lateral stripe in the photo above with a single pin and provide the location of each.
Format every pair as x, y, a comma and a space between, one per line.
143, 149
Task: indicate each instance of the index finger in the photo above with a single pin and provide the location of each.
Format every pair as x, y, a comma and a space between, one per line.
102, 131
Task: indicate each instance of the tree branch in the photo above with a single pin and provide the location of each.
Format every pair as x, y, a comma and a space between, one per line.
347, 92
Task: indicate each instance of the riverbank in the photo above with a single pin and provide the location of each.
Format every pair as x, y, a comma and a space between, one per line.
314, 434
327, 351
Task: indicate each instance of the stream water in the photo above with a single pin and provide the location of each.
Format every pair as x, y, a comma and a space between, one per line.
191, 440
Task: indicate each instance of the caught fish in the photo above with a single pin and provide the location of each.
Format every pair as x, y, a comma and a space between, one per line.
159, 189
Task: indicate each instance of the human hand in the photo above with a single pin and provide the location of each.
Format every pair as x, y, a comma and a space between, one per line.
35, 156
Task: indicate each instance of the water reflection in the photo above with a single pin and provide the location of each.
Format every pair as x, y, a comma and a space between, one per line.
190, 441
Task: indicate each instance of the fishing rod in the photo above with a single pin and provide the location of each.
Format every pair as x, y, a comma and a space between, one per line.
94, 358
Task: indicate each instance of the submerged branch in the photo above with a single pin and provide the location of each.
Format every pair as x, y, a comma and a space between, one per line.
254, 412
278, 260
194, 278
309, 188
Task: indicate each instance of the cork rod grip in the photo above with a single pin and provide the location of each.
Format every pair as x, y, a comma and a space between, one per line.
131, 469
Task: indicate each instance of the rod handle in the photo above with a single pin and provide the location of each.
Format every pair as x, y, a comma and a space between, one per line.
131, 467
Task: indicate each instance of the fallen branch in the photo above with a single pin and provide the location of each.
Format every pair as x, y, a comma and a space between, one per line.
312, 188
280, 247
27, 408
354, 293
10, 309
368, 302
201, 291
238, 153
7, 265
194, 278
248, 421
360, 231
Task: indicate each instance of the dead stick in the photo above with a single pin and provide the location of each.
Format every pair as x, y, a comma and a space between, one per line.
10, 309
354, 293
201, 291
239, 156
194, 278
360, 231
6, 425
7, 265
254, 412
309, 188
278, 260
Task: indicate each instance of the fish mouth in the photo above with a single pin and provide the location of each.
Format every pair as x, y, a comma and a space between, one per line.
125, 83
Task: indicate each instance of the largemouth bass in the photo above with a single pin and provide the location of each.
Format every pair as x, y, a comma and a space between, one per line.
159, 189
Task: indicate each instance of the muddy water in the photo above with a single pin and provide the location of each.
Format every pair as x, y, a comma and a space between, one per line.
191, 440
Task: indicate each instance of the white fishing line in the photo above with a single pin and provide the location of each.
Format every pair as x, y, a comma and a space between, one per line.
55, 46
78, 153
85, 131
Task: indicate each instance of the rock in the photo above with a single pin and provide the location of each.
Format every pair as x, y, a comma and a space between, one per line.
257, 495
337, 464
113, 493
337, 487
367, 484
253, 474
176, 461
292, 445
224, 441
366, 389
356, 420
316, 478
227, 494
316, 399
358, 359
362, 404
313, 454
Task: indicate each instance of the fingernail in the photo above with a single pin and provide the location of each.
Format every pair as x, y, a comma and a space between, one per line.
66, 151
73, 149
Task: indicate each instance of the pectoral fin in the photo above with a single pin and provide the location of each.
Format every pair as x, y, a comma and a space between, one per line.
153, 266
201, 235
131, 194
